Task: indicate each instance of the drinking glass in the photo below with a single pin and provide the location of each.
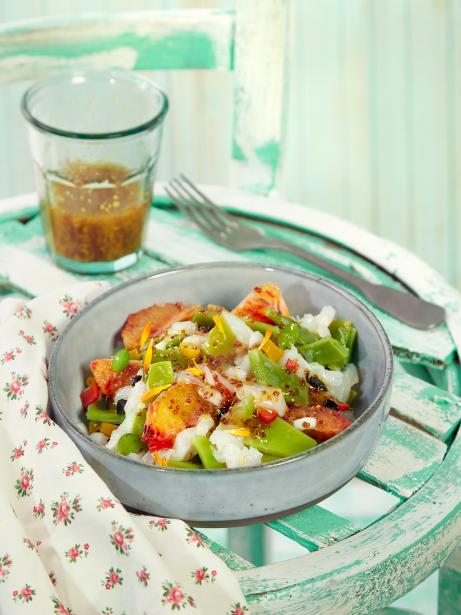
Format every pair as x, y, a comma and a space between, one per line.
95, 138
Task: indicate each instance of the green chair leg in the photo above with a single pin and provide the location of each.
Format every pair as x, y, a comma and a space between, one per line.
450, 586
248, 542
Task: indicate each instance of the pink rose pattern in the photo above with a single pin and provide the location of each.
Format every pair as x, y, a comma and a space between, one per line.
29, 338
50, 330
73, 468
143, 576
112, 579
64, 511
44, 444
121, 538
19, 451
5, 564
104, 503
59, 608
23, 411
24, 313
29, 543
24, 595
201, 575
24, 485
238, 610
10, 356
15, 389
192, 539
70, 306
161, 524
39, 510
66, 507
75, 552
175, 597
41, 415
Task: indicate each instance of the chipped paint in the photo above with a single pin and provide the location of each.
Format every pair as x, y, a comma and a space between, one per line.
315, 528
438, 411
404, 460
199, 39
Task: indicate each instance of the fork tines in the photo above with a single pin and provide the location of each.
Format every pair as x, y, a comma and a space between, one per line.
197, 206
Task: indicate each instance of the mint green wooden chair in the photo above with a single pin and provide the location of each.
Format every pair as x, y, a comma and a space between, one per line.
419, 457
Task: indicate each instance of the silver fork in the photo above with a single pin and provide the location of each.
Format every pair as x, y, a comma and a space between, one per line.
227, 230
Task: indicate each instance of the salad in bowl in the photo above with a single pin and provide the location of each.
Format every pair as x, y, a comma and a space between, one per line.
206, 388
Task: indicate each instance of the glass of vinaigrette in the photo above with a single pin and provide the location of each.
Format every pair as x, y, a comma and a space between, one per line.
95, 139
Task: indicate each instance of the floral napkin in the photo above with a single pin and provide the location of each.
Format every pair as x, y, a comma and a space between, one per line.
67, 545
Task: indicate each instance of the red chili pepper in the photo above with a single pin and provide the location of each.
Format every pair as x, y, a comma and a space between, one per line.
157, 443
89, 396
267, 415
292, 366
343, 407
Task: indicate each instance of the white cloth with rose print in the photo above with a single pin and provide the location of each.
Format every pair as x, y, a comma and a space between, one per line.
67, 545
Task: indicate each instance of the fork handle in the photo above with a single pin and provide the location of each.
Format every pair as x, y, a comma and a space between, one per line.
405, 307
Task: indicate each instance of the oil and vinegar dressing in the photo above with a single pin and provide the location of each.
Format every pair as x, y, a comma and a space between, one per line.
95, 212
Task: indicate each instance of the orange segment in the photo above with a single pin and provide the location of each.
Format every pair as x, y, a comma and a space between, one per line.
262, 297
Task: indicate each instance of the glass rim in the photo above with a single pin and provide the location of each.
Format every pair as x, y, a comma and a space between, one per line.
95, 136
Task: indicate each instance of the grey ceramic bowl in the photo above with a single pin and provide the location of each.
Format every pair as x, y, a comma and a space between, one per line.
230, 496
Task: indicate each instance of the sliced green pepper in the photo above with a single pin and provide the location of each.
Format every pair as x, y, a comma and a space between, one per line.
326, 351
139, 420
281, 439
175, 341
305, 336
351, 341
243, 411
255, 325
94, 414
288, 336
267, 372
340, 330
217, 343
205, 450
127, 444
171, 354
268, 458
159, 374
204, 318
188, 465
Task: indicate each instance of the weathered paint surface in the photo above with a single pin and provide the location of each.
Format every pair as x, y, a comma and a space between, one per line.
140, 40
315, 528
392, 611
262, 31
234, 561
449, 602
448, 379
438, 411
405, 459
371, 568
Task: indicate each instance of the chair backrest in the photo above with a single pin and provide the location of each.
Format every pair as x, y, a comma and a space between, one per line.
252, 41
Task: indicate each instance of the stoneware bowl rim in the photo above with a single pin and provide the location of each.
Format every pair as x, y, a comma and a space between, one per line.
372, 408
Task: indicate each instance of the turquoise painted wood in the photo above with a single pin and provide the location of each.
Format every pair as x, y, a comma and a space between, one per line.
435, 409
449, 586
405, 459
315, 528
234, 561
